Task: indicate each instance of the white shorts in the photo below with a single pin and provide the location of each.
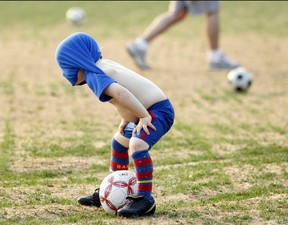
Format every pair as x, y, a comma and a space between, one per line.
194, 7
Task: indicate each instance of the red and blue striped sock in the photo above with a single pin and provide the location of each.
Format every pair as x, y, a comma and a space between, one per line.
119, 156
144, 172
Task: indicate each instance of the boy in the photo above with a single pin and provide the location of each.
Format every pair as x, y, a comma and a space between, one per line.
146, 112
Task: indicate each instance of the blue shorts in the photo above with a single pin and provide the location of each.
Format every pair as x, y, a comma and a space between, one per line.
163, 115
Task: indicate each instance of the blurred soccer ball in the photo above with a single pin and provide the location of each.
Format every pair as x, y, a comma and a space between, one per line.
240, 79
115, 188
75, 15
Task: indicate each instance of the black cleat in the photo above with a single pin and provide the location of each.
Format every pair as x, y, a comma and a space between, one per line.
91, 200
137, 205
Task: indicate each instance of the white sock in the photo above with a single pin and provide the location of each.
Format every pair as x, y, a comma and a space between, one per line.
142, 44
215, 55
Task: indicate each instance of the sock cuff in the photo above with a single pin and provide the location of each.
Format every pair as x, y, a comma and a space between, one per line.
215, 54
118, 147
139, 154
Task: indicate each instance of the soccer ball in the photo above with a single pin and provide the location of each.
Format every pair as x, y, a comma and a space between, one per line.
240, 79
115, 188
75, 15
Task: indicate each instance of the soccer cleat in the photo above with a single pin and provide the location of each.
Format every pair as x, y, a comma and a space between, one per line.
223, 63
137, 205
138, 54
91, 200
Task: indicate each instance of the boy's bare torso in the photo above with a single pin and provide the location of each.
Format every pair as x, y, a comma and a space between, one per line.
143, 89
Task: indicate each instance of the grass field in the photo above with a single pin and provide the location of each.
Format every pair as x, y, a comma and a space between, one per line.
224, 161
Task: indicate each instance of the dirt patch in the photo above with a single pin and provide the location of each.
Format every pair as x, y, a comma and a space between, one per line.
239, 176
62, 163
53, 212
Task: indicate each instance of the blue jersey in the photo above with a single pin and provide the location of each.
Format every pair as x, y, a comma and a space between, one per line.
97, 83
78, 51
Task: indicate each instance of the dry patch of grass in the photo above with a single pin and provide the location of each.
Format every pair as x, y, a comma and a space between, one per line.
61, 163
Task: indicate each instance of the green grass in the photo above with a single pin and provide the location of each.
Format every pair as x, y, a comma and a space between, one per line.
263, 17
227, 166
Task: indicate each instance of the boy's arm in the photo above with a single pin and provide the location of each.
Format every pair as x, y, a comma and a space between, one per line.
126, 99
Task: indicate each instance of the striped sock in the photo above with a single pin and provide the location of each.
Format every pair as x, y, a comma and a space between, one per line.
119, 157
144, 172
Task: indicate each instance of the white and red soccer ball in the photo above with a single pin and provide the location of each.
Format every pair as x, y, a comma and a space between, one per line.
115, 188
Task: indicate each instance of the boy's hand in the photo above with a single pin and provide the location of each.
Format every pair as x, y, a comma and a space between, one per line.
144, 123
122, 125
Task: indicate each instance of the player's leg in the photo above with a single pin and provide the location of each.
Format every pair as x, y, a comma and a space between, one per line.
161, 23
217, 59
119, 161
143, 202
139, 47
119, 149
212, 29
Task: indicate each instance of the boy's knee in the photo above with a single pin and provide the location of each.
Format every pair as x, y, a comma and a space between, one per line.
121, 139
125, 138
137, 144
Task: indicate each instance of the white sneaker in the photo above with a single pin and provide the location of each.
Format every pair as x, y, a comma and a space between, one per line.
223, 62
138, 54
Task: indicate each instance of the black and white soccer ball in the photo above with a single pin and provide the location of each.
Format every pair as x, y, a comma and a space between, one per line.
75, 15
240, 79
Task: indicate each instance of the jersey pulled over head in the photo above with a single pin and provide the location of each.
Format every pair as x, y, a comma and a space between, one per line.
78, 51
81, 51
